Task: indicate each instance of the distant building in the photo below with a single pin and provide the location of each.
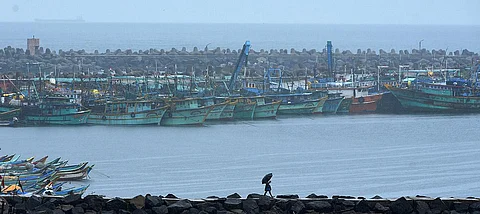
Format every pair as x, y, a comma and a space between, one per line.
33, 45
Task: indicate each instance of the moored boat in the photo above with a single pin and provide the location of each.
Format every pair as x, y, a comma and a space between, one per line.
124, 112
265, 107
185, 112
437, 98
55, 110
244, 109
298, 103
217, 107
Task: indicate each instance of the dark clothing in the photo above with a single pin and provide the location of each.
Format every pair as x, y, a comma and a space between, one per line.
268, 187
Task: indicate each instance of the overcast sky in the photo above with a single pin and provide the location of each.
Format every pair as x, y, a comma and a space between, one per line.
438, 12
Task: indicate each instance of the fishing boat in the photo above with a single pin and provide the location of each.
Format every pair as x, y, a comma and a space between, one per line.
217, 107
9, 117
332, 102
245, 108
321, 104
344, 107
55, 110
187, 111
126, 112
228, 111
296, 103
426, 97
265, 107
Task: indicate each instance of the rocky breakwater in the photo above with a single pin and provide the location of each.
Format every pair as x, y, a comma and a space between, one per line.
17, 62
254, 203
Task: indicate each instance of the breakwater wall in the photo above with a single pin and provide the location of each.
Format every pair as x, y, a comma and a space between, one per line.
253, 204
221, 62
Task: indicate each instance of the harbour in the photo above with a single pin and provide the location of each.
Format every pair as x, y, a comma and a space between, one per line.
358, 155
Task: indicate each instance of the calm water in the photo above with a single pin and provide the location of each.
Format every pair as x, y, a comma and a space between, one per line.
359, 155
100, 36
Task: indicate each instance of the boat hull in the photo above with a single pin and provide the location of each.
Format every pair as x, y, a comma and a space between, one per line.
195, 116
217, 110
366, 104
268, 110
331, 105
344, 107
319, 108
151, 117
417, 101
228, 111
305, 107
244, 111
77, 118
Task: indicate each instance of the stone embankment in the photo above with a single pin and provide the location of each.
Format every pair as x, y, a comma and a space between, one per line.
220, 62
234, 204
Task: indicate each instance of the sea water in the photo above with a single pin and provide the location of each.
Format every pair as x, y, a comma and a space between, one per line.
358, 155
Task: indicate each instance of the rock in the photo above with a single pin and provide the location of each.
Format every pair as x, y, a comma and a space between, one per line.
234, 195
362, 206
170, 196
380, 208
95, 202
193, 210
116, 204
297, 207
401, 206
377, 197
138, 201
313, 195
33, 202
265, 203
20, 208
233, 203
254, 195
475, 207
66, 207
179, 206
319, 206
72, 199
160, 210
77, 210
422, 207
153, 201
437, 206
58, 211
288, 196
460, 207
139, 211
250, 206
283, 204
211, 210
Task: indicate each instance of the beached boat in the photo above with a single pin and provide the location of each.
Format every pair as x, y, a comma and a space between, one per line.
437, 98
123, 112
187, 111
265, 107
55, 110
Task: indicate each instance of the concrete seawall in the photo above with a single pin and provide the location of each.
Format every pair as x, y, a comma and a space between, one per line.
254, 203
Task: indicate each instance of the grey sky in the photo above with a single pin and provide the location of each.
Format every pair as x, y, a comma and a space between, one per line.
438, 12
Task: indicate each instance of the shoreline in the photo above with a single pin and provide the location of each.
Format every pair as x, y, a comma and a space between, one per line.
234, 203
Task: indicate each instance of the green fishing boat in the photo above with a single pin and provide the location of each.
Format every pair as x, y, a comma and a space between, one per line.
245, 108
228, 111
217, 107
299, 103
135, 112
265, 108
437, 98
321, 103
55, 110
187, 111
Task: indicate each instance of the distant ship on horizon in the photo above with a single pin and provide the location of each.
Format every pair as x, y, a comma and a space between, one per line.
77, 20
